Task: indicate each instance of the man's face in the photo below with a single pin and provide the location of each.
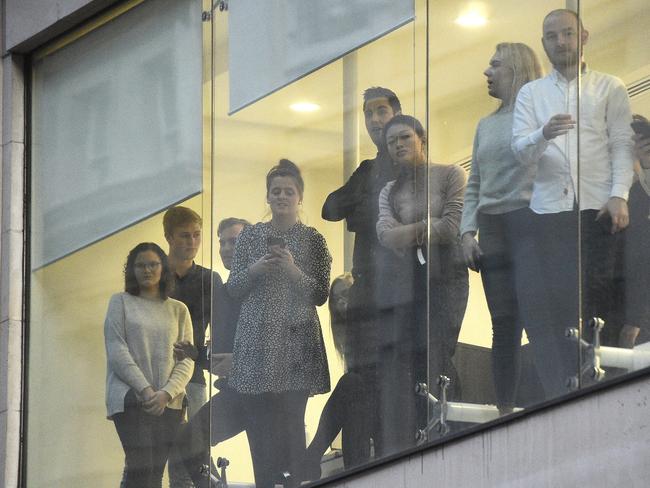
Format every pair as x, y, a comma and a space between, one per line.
184, 241
560, 39
376, 113
227, 240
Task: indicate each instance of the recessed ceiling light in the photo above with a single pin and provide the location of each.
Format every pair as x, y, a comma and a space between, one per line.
304, 107
472, 17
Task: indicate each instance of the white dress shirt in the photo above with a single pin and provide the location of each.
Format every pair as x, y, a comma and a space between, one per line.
603, 127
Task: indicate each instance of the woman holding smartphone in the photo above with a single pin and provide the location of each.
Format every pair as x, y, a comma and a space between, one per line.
496, 207
145, 385
281, 271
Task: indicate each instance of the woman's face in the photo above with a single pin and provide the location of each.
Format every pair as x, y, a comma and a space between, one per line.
283, 197
148, 269
499, 78
404, 145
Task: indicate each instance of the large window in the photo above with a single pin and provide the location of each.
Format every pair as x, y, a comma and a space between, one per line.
416, 219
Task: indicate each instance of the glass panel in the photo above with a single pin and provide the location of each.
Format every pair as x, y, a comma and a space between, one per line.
614, 193
480, 55
306, 374
116, 140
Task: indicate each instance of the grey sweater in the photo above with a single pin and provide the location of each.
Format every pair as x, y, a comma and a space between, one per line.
498, 182
139, 335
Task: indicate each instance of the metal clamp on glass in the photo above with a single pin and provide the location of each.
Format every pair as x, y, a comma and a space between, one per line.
444, 411
595, 356
217, 480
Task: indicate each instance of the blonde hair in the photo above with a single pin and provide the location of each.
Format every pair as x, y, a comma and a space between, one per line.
525, 66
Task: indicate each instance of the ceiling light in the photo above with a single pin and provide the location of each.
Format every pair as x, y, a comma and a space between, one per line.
472, 17
304, 107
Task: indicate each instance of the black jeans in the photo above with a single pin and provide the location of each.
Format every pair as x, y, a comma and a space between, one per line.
637, 261
348, 410
568, 245
146, 440
275, 425
505, 241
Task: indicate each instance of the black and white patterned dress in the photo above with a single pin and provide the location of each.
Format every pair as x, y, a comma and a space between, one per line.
279, 344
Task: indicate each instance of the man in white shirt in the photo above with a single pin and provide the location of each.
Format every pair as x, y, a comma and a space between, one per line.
581, 188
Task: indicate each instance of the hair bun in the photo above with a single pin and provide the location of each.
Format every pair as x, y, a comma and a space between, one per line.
289, 166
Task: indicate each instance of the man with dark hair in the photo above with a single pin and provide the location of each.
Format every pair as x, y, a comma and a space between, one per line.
223, 417
357, 202
579, 198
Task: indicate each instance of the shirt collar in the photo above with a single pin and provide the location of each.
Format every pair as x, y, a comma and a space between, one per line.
558, 77
192, 269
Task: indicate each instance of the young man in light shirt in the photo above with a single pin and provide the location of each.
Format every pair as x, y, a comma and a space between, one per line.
580, 192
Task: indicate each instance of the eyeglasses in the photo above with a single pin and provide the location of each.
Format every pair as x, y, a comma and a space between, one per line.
151, 266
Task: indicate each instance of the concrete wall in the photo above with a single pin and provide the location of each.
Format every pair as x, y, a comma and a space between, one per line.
12, 141
35, 21
599, 441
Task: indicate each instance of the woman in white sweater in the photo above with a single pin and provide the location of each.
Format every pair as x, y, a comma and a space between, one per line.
145, 385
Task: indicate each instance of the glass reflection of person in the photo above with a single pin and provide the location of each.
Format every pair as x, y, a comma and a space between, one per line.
496, 206
346, 410
281, 273
223, 417
425, 289
637, 248
145, 385
565, 198
357, 202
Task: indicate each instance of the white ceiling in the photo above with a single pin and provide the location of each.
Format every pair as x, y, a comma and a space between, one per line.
456, 91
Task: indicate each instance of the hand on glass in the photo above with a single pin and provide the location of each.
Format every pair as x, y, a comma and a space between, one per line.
617, 209
471, 251
642, 149
185, 349
156, 403
558, 125
221, 364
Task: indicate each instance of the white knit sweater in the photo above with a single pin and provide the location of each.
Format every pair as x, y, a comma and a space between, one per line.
139, 335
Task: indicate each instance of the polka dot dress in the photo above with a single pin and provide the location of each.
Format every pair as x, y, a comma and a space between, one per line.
279, 344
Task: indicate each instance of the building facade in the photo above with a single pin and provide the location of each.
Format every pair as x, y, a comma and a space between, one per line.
115, 111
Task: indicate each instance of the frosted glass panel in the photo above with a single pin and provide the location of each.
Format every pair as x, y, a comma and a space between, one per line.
276, 42
117, 127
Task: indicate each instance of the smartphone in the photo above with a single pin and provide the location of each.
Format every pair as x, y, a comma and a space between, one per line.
275, 241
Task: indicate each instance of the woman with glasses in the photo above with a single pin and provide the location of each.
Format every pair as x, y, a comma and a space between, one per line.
145, 385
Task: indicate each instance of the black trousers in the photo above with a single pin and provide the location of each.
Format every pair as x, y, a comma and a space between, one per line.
275, 425
568, 246
505, 241
349, 411
146, 440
